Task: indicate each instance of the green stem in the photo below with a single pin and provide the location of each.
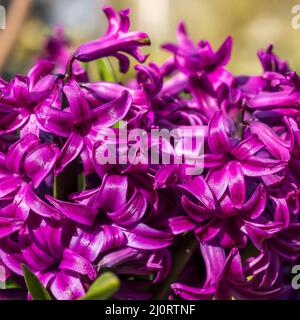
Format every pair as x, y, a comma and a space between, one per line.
181, 254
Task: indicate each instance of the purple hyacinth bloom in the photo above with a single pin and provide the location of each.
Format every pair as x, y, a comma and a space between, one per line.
22, 97
117, 42
80, 124
225, 279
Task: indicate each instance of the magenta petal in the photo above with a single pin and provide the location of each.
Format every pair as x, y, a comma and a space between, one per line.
9, 185
247, 147
236, 183
9, 225
208, 231
39, 70
76, 212
18, 150
146, 238
42, 88
55, 121
277, 147
217, 181
12, 121
89, 244
40, 207
181, 224
271, 100
40, 161
230, 234
69, 152
199, 188
112, 194
111, 112
72, 261
282, 212
12, 260
78, 104
255, 166
131, 212
36, 258
217, 136
66, 286
198, 213
255, 206
117, 257
191, 293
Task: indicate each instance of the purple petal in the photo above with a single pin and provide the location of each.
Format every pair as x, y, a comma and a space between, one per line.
111, 112
40, 161
76, 212
69, 152
66, 286
40, 207
217, 136
72, 261
78, 105
146, 238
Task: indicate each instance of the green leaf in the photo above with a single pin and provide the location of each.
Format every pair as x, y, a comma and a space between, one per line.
105, 70
103, 287
34, 286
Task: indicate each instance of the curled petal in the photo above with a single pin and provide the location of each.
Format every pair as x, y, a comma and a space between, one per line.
39, 206
181, 224
18, 150
146, 238
72, 261
111, 112
66, 286
255, 206
76, 212
78, 104
277, 147
236, 183
40, 161
217, 136
69, 152
131, 212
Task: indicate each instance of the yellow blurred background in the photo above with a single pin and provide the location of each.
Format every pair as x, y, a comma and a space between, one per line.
253, 24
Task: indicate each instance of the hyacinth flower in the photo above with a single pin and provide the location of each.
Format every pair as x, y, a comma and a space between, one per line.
127, 261
225, 279
250, 157
271, 62
191, 59
60, 257
80, 124
253, 154
223, 219
117, 42
146, 222
22, 97
26, 165
201, 57
126, 209
275, 242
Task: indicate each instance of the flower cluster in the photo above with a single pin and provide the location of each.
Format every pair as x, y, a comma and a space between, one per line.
68, 217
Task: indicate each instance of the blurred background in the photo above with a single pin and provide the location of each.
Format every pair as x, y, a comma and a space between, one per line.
252, 23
